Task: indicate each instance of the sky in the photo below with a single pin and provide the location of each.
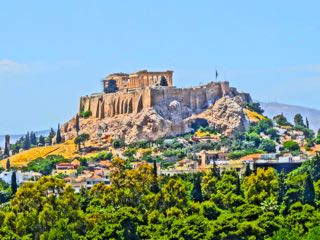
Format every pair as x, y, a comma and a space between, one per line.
53, 52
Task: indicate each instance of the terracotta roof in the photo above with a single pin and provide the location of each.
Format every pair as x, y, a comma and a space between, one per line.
249, 157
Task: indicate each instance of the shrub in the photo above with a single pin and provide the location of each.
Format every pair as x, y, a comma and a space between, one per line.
291, 146
254, 106
86, 114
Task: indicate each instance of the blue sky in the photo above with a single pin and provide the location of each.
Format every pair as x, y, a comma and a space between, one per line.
52, 52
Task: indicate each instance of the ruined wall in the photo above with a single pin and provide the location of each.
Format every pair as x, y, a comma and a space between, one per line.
126, 102
196, 98
109, 105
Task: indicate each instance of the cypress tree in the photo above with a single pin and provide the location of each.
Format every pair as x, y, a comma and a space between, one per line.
50, 136
155, 186
8, 165
238, 184
196, 193
7, 146
307, 123
14, 185
77, 124
33, 139
26, 142
309, 193
58, 137
215, 171
41, 140
282, 186
247, 170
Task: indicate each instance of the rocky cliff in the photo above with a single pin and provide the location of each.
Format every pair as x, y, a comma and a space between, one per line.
168, 118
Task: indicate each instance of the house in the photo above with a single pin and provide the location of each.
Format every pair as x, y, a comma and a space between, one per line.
65, 166
90, 182
207, 157
21, 177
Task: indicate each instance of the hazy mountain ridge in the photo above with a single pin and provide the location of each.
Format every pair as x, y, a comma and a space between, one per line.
273, 108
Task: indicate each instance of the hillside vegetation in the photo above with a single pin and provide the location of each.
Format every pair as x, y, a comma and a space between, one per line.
67, 149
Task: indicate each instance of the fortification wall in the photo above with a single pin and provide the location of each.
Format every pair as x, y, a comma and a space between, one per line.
109, 105
126, 102
195, 98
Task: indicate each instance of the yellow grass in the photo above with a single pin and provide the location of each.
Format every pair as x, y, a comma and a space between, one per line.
253, 116
67, 149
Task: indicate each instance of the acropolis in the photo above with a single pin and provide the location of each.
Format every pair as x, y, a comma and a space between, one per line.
124, 93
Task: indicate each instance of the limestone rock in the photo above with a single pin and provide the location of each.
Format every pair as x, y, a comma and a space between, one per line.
168, 119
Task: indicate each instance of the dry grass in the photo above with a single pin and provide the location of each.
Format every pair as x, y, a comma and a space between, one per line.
253, 116
67, 150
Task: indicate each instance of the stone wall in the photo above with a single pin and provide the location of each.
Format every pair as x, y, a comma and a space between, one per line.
133, 101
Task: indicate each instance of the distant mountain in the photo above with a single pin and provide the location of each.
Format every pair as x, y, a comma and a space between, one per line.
14, 138
313, 115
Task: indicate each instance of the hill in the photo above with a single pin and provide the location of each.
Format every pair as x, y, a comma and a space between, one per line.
67, 149
313, 115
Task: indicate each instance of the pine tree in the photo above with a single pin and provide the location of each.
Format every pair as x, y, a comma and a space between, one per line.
58, 137
8, 165
196, 193
7, 146
14, 185
155, 186
307, 123
77, 124
309, 192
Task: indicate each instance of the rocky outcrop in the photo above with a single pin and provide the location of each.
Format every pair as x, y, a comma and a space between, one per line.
166, 119
226, 115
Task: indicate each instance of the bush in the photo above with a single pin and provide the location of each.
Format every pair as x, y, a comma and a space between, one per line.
118, 143
268, 145
86, 114
291, 146
242, 153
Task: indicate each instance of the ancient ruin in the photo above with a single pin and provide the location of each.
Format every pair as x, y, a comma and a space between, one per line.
131, 93
146, 106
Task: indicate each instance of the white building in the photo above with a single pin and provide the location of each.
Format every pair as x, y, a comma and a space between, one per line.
22, 177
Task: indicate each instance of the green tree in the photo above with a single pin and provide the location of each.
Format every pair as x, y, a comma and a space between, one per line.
41, 140
26, 142
81, 139
8, 165
298, 120
33, 139
155, 185
77, 124
268, 145
255, 106
281, 120
307, 123
7, 146
309, 192
58, 136
51, 135
14, 185
291, 146
196, 193
261, 185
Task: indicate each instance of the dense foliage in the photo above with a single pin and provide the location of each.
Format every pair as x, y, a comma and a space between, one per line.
142, 205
